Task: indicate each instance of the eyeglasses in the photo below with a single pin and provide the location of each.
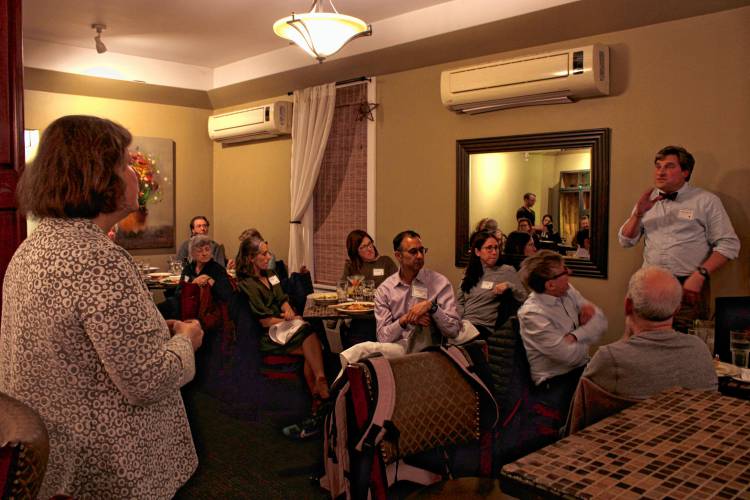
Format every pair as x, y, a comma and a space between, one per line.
415, 251
564, 272
491, 248
368, 246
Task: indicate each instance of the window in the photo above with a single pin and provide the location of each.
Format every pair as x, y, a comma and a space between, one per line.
343, 196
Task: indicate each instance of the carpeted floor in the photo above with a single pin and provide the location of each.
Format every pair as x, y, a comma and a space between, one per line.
247, 456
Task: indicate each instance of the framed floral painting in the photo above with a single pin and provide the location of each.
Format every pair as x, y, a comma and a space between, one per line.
152, 226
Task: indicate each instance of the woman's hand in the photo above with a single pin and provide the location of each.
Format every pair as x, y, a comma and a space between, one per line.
501, 287
191, 330
287, 313
204, 280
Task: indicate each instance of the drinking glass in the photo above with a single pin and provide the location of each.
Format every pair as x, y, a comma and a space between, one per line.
355, 281
705, 330
739, 344
341, 286
368, 290
175, 265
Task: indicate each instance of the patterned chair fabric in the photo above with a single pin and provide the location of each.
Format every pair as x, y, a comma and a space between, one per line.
24, 449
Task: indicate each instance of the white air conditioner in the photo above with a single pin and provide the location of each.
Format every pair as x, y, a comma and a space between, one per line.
263, 122
556, 77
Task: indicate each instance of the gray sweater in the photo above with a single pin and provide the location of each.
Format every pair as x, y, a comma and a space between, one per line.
479, 306
651, 362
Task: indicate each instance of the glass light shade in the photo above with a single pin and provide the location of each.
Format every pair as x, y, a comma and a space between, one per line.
320, 34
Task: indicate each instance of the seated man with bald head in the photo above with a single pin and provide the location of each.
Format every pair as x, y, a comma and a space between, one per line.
651, 356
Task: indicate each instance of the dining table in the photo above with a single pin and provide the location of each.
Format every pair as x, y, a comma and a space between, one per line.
342, 329
316, 310
678, 444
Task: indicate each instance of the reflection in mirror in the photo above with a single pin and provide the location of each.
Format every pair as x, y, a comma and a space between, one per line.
559, 179
568, 172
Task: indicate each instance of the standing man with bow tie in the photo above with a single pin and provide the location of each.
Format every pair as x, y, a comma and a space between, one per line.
686, 230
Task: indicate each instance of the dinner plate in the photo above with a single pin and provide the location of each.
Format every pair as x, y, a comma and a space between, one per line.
727, 370
323, 298
172, 279
156, 276
356, 307
743, 376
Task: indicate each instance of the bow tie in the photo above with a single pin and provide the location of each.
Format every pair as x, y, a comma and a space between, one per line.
668, 196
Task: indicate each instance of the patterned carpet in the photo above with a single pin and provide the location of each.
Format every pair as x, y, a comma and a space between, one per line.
247, 456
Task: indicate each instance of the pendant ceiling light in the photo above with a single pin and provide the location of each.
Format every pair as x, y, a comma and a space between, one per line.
321, 33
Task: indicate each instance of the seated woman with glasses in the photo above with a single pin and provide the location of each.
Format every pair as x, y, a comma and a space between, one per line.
486, 284
365, 260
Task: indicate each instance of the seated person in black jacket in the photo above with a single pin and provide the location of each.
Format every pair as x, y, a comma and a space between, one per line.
548, 230
203, 270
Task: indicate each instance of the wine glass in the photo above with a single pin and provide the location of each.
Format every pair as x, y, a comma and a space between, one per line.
355, 281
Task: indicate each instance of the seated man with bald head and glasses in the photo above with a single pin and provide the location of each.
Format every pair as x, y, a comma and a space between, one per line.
558, 326
415, 307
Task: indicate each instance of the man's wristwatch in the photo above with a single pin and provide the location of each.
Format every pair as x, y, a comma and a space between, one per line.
704, 272
433, 307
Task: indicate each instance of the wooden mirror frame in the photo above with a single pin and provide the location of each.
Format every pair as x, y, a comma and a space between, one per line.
596, 139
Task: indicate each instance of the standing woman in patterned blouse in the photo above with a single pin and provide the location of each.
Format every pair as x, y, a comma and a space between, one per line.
82, 342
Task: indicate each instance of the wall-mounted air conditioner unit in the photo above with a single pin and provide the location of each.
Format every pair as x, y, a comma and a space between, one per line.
556, 77
263, 122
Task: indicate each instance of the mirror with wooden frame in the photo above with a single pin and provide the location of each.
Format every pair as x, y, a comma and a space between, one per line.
568, 172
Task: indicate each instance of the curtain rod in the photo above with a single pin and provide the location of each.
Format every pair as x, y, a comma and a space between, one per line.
346, 82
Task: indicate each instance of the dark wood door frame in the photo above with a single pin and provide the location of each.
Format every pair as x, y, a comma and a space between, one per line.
12, 223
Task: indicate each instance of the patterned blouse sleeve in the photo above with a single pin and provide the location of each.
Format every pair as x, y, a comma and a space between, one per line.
129, 335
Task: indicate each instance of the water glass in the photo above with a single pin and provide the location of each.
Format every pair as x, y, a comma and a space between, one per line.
739, 344
175, 265
704, 329
368, 290
341, 288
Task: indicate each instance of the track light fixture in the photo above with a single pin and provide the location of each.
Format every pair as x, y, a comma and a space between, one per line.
100, 47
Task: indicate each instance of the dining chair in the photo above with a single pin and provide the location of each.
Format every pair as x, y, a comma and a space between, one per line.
24, 449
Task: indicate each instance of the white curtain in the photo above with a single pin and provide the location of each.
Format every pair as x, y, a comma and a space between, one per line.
311, 124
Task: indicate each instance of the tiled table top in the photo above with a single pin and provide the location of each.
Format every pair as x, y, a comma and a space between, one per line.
313, 311
679, 444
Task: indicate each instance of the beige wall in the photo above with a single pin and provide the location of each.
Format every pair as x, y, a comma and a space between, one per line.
186, 126
497, 183
251, 184
680, 82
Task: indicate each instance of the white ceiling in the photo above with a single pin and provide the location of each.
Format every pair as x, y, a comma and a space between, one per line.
208, 33
205, 44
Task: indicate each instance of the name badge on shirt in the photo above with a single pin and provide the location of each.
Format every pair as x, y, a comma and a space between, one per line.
274, 280
685, 214
378, 271
419, 292
487, 285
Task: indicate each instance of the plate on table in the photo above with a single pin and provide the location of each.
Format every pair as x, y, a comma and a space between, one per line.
170, 279
324, 298
356, 307
727, 370
743, 375
158, 276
